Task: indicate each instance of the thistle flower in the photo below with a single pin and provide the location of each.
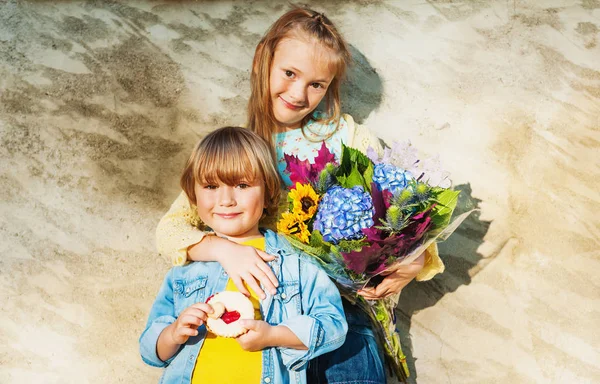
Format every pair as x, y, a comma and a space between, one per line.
304, 200
394, 217
422, 191
416, 197
390, 177
326, 178
343, 212
405, 197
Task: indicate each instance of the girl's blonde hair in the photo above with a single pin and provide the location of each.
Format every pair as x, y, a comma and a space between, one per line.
312, 25
232, 155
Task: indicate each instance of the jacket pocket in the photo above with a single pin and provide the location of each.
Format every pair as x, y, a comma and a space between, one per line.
288, 299
188, 292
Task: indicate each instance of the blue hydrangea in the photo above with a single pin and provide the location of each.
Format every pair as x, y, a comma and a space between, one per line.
343, 212
390, 177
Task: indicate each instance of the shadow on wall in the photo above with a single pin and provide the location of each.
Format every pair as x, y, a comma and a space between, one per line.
460, 256
362, 91
361, 94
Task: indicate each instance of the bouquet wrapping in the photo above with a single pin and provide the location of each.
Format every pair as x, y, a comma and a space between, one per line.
362, 218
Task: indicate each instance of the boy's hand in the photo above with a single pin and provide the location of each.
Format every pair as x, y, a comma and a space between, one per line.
188, 322
258, 335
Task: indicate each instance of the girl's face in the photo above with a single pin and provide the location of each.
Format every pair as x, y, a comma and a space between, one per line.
299, 78
232, 211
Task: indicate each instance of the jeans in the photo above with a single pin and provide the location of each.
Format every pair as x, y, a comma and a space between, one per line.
357, 361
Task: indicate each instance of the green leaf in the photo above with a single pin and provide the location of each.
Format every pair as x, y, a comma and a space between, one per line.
360, 158
351, 245
368, 175
442, 212
351, 156
318, 251
345, 163
354, 179
355, 169
316, 240
448, 199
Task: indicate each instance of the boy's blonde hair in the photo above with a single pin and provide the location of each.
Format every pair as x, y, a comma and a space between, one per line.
232, 155
307, 24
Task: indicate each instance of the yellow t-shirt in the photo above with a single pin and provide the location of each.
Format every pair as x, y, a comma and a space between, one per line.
221, 359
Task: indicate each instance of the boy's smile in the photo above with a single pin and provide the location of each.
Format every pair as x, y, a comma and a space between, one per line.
227, 215
231, 211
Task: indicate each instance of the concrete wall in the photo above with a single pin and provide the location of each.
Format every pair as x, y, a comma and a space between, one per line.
101, 102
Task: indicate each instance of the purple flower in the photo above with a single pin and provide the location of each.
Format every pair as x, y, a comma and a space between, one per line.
304, 171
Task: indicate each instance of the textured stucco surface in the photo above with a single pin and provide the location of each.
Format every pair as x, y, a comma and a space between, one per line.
100, 103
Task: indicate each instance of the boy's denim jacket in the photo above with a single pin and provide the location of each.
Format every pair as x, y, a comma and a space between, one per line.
307, 302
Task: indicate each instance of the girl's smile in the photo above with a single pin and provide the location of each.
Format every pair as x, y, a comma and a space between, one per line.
290, 105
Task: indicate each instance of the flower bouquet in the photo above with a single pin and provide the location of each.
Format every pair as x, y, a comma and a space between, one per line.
365, 216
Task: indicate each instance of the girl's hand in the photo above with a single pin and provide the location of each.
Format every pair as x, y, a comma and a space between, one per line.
188, 322
258, 335
394, 281
244, 263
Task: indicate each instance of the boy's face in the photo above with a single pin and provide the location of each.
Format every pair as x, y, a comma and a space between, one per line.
232, 211
299, 77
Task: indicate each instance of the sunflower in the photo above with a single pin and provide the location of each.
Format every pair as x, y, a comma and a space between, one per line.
305, 201
291, 224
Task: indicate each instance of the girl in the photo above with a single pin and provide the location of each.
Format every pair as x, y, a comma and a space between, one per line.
300, 61
232, 179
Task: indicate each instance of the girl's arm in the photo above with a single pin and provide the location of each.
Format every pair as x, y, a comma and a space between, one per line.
243, 264
177, 231
179, 240
433, 264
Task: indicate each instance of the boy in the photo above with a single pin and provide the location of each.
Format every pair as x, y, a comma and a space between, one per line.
232, 180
